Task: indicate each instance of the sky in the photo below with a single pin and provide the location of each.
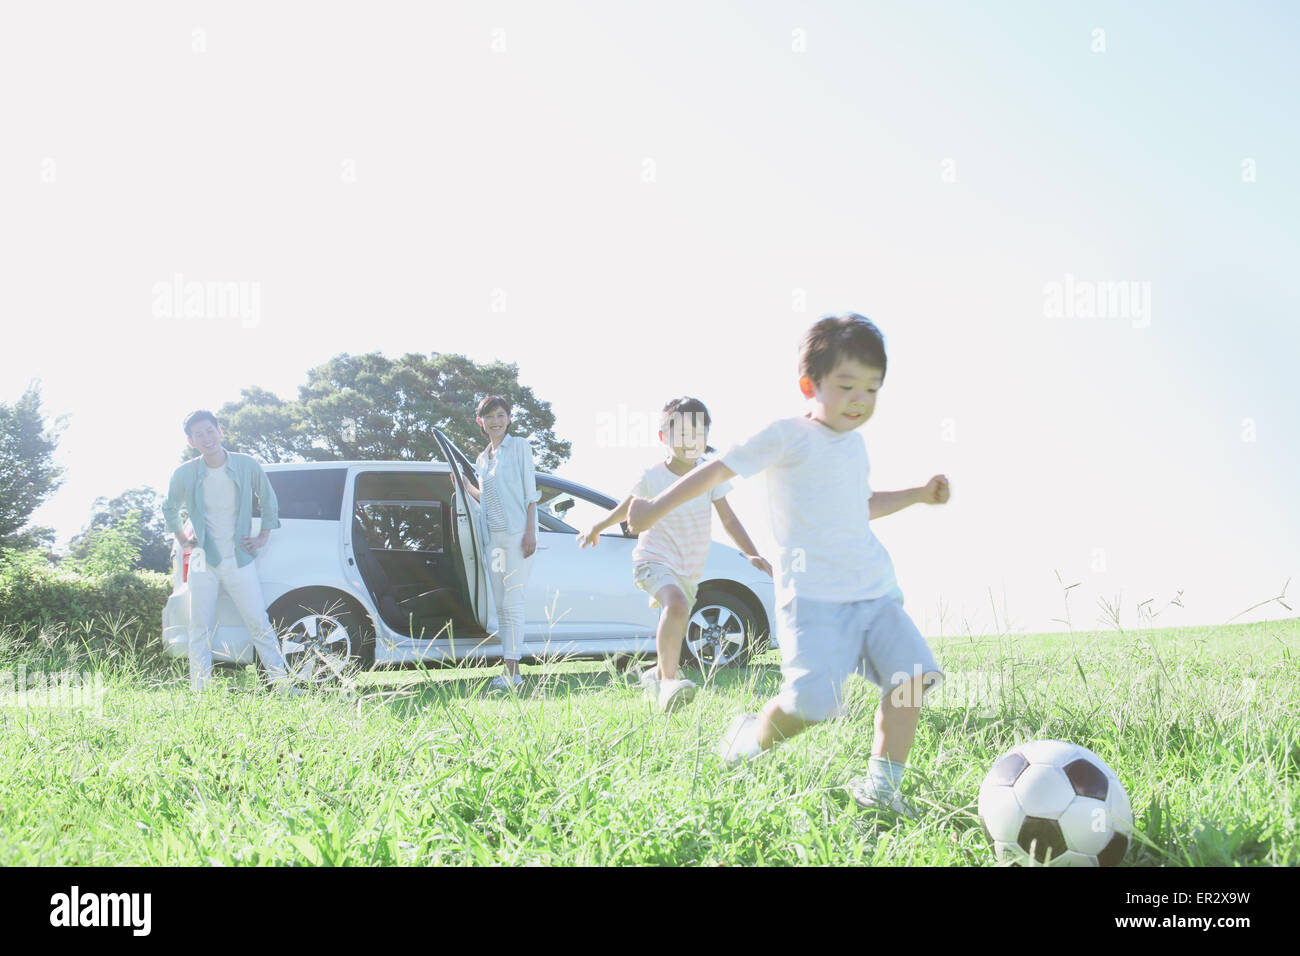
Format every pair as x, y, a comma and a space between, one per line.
635, 202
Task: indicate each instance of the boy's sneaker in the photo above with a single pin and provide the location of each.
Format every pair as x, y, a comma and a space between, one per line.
869, 798
673, 693
740, 742
502, 682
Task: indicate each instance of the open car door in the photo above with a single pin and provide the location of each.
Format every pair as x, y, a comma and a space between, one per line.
467, 529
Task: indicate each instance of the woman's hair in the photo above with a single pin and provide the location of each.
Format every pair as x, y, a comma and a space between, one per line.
675, 414
489, 403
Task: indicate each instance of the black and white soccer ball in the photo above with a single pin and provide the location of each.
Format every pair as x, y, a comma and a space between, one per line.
1055, 803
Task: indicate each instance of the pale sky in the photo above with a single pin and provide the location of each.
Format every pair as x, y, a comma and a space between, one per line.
634, 201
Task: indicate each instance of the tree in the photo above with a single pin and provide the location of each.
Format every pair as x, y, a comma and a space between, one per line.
113, 548
28, 475
358, 407
147, 531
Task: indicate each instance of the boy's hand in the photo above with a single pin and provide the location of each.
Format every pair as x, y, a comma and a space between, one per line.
936, 491
588, 537
761, 563
638, 515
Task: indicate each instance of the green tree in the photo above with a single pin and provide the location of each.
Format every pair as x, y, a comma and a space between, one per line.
28, 475
358, 407
150, 533
114, 548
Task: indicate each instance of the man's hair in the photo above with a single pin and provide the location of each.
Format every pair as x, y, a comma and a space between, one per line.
676, 412
201, 415
489, 403
837, 337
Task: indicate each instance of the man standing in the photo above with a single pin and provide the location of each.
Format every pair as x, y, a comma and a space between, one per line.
216, 490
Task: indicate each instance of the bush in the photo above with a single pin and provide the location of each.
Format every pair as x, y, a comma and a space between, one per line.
34, 593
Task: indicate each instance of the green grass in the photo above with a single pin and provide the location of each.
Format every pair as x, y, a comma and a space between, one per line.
427, 768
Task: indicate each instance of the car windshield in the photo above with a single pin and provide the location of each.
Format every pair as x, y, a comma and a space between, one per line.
569, 513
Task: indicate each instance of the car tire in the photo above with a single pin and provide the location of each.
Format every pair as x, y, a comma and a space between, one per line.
325, 637
721, 631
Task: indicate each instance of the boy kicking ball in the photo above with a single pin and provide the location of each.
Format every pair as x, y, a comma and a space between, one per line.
840, 608
669, 560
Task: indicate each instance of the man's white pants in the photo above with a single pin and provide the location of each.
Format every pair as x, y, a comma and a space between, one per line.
508, 570
245, 589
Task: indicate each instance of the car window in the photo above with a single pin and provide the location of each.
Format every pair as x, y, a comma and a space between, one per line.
569, 513
403, 511
312, 493
403, 525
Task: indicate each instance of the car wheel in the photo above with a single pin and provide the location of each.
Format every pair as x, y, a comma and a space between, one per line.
324, 638
720, 632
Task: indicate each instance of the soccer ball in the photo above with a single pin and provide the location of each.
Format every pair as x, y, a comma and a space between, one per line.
1059, 802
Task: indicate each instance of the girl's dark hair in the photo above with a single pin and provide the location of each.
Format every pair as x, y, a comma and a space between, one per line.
202, 415
835, 337
489, 403
679, 408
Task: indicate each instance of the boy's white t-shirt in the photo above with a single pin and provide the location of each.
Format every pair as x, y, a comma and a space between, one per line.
681, 538
219, 509
819, 507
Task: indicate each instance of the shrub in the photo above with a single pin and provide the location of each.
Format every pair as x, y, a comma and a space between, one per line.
33, 593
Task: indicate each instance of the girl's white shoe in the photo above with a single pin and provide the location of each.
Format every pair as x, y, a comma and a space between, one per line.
674, 693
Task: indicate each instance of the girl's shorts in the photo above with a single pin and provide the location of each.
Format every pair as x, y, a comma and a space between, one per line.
651, 577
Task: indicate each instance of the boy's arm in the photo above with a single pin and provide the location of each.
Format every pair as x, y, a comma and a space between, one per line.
934, 492
643, 513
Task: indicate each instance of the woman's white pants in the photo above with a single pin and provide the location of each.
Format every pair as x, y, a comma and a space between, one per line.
508, 570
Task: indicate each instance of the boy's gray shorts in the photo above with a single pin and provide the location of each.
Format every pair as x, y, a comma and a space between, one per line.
823, 642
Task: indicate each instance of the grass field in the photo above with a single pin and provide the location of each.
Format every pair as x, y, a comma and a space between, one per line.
1202, 725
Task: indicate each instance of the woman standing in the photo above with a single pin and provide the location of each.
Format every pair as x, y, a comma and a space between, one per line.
508, 493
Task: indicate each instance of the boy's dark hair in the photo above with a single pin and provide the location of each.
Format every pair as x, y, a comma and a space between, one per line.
489, 403
836, 337
201, 415
679, 408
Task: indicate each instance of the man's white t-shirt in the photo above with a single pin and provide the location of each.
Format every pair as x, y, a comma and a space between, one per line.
819, 506
681, 538
220, 508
